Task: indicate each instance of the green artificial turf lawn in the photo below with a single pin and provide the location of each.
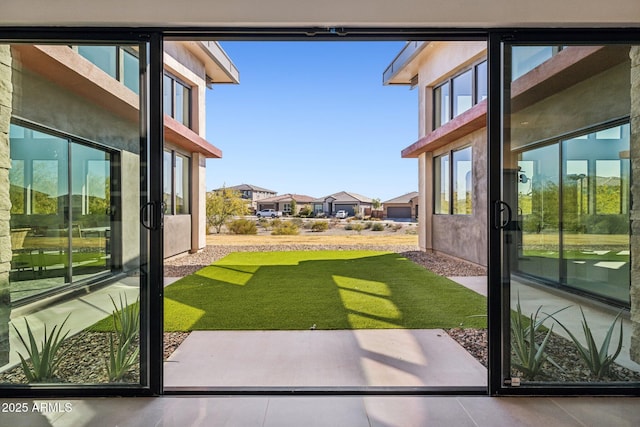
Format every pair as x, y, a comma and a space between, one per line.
329, 289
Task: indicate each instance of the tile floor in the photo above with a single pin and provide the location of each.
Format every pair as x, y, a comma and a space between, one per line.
330, 411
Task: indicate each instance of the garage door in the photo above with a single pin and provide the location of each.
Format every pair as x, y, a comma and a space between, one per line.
399, 212
348, 208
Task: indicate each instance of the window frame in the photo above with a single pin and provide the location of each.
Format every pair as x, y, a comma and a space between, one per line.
188, 91
173, 209
436, 101
452, 183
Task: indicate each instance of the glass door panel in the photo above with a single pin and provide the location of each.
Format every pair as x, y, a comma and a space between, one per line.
566, 173
71, 171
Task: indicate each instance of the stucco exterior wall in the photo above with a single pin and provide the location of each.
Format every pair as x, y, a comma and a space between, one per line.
465, 236
177, 234
6, 95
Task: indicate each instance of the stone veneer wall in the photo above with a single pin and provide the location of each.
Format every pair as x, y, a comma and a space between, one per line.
635, 196
6, 91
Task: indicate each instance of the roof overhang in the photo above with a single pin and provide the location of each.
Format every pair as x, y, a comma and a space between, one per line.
404, 67
218, 65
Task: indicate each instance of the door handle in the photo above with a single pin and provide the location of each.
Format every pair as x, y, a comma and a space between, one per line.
149, 216
498, 209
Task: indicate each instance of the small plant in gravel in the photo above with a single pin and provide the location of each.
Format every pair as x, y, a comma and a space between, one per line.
598, 360
357, 227
378, 226
123, 353
242, 226
285, 228
530, 356
44, 359
319, 226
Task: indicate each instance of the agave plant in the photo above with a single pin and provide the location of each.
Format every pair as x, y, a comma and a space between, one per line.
529, 354
43, 360
126, 319
121, 359
597, 359
122, 353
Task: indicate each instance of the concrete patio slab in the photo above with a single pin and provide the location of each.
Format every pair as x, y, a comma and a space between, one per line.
342, 358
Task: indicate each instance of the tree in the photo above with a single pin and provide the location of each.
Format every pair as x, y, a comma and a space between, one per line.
294, 206
222, 205
375, 204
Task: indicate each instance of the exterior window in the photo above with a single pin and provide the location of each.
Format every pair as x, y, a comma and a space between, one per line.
103, 57
167, 187
119, 63
526, 58
441, 97
481, 82
287, 208
462, 93
453, 187
177, 100
182, 184
458, 94
441, 184
462, 182
176, 183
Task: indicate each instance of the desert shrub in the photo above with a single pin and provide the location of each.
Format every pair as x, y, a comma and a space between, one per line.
305, 212
396, 227
357, 227
367, 225
377, 227
264, 223
319, 226
284, 228
348, 227
298, 222
411, 231
243, 226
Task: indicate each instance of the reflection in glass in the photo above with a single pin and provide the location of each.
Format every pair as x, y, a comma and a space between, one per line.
567, 145
462, 92
70, 204
441, 97
596, 213
441, 184
167, 182
462, 185
182, 184
538, 193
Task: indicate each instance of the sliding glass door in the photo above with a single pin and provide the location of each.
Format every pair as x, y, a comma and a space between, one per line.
73, 180
563, 223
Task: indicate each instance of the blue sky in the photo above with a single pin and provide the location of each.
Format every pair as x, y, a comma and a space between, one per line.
313, 118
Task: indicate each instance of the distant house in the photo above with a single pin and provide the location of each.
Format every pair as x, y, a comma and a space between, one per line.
402, 207
354, 204
253, 193
283, 203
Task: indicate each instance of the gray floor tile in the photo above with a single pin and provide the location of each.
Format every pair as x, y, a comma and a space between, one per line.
516, 411
407, 411
316, 411
602, 411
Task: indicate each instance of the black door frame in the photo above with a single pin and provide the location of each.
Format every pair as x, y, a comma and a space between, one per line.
152, 124
498, 270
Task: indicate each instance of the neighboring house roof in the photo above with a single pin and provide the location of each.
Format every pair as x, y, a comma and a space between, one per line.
248, 187
299, 198
405, 198
344, 196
